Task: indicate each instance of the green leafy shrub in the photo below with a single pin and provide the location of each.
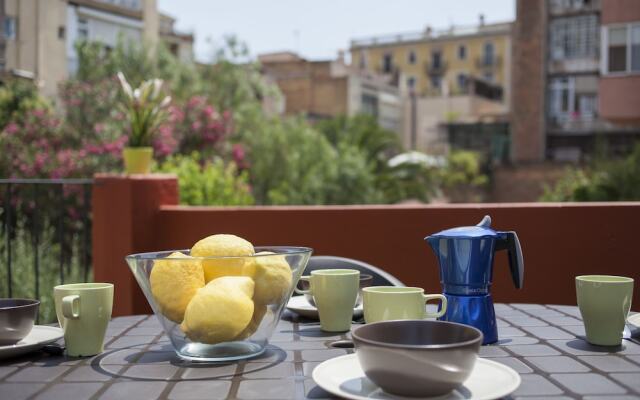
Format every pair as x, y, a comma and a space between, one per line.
604, 180
462, 178
209, 182
18, 97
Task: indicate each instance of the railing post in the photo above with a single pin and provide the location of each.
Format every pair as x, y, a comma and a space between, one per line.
124, 218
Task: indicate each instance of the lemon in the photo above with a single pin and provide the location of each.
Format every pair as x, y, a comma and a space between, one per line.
218, 246
259, 312
272, 277
174, 283
220, 310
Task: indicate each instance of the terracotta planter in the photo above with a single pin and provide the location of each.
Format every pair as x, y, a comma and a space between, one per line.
137, 160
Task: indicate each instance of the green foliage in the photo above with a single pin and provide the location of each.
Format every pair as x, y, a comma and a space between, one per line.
145, 108
604, 180
290, 162
208, 182
409, 181
18, 97
363, 132
138, 62
462, 177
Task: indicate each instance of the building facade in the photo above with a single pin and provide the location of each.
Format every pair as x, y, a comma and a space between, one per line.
459, 76
326, 89
433, 63
619, 84
574, 78
38, 36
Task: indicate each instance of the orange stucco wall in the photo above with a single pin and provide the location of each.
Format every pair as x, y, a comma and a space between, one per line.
559, 241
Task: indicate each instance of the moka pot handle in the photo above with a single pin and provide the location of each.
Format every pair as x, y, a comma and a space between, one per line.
510, 242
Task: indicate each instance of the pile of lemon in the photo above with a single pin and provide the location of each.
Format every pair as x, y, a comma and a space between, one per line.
222, 299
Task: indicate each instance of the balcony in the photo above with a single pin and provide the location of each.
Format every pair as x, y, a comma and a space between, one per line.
488, 62
559, 240
432, 68
572, 7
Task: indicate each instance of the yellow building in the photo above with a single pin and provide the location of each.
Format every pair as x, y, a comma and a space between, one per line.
440, 62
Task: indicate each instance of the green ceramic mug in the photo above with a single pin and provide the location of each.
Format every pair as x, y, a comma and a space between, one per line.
384, 303
84, 311
604, 303
335, 292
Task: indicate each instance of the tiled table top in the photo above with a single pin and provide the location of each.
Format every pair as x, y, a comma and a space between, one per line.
540, 342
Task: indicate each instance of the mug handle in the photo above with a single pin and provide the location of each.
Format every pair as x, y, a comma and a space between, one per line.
443, 307
302, 291
71, 306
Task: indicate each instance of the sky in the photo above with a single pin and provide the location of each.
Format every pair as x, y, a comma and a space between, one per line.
318, 29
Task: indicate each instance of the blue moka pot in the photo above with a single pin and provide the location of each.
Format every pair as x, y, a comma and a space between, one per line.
465, 255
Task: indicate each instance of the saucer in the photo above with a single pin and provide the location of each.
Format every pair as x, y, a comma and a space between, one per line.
39, 336
343, 377
300, 306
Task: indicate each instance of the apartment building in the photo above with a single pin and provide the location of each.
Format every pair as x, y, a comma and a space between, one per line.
325, 89
436, 62
38, 37
575, 80
619, 85
459, 75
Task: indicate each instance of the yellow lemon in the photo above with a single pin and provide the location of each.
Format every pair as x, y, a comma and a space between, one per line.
174, 283
218, 246
272, 277
259, 312
220, 311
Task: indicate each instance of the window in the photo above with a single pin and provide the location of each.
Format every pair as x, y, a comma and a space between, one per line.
573, 98
411, 57
61, 32
436, 81
574, 37
83, 29
436, 59
635, 48
411, 82
623, 49
462, 82
387, 63
488, 55
462, 52
9, 27
363, 60
369, 104
488, 76
617, 49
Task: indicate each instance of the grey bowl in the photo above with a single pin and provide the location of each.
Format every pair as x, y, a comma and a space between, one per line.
16, 319
417, 358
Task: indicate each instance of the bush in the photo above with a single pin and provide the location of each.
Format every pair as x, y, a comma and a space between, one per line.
604, 180
19, 97
208, 182
462, 178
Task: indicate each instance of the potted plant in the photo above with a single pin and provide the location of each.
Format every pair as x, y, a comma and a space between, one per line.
145, 109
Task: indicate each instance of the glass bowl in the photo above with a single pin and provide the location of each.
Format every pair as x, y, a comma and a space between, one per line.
254, 339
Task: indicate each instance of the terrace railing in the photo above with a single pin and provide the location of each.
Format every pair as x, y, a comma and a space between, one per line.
45, 237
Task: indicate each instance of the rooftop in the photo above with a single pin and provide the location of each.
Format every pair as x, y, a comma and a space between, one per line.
429, 34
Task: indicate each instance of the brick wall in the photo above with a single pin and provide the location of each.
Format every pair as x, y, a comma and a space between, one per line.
528, 80
524, 182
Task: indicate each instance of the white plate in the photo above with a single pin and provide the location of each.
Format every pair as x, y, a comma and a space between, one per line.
342, 376
300, 305
39, 336
634, 319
